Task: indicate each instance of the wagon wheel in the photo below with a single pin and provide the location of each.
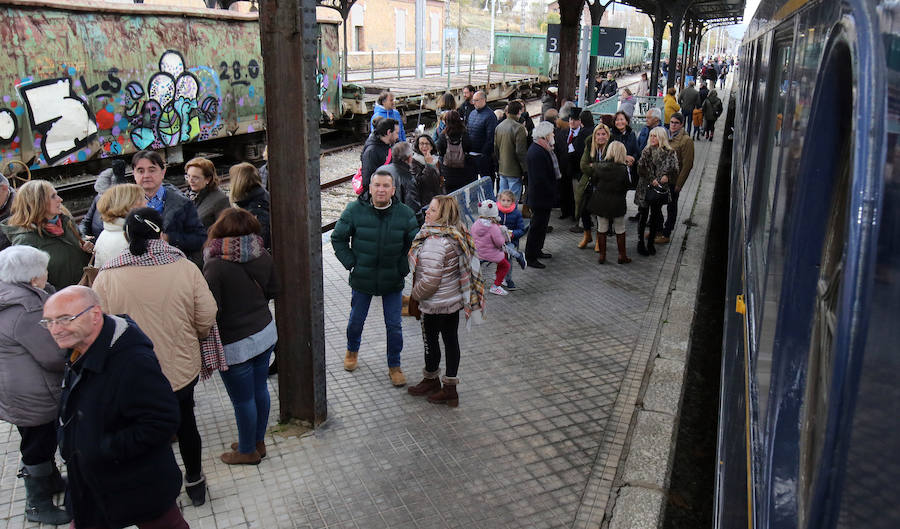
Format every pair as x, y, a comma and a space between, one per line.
14, 176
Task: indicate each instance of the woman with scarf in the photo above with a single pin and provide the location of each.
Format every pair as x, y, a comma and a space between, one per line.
593, 155
167, 296
658, 165
39, 219
241, 276
446, 278
203, 183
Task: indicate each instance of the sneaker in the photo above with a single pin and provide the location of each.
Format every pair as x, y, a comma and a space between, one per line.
509, 285
498, 290
522, 261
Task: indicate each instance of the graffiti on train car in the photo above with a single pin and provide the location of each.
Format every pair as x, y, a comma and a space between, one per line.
179, 103
9, 125
63, 119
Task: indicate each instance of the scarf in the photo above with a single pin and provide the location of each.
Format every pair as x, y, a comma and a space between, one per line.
546, 145
54, 226
471, 284
159, 252
506, 210
235, 249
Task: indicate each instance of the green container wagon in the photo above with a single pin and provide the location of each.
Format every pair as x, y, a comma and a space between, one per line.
524, 54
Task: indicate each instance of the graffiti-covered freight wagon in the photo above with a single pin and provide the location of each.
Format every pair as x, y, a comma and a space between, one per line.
81, 82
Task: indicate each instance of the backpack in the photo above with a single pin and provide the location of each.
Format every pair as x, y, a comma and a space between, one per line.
698, 117
357, 179
454, 157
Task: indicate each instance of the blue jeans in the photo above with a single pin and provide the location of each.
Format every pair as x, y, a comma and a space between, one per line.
512, 183
391, 305
249, 394
512, 249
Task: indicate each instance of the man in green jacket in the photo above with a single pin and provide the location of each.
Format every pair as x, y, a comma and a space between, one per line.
371, 240
511, 149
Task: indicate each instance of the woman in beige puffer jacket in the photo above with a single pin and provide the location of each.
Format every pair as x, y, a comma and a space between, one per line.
437, 258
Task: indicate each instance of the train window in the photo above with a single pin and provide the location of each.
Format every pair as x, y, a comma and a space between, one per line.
814, 413
770, 144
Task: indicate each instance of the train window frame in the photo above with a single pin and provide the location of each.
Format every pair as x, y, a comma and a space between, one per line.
766, 182
825, 175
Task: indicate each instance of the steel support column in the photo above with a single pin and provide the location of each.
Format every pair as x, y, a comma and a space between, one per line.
289, 32
659, 26
674, 39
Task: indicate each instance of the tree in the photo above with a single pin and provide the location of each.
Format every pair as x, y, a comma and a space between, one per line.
570, 17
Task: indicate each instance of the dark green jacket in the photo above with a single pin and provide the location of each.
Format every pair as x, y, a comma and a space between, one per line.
373, 244
67, 259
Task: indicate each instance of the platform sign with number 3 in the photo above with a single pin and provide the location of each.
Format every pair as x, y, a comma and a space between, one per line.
552, 38
608, 42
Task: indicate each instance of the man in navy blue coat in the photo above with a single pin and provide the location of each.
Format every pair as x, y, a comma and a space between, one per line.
117, 416
481, 126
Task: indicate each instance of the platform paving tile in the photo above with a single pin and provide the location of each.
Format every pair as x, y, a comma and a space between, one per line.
539, 381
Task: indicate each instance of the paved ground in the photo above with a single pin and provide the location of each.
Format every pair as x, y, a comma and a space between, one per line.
547, 390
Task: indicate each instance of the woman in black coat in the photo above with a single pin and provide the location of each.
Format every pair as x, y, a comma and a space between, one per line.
610, 181
622, 133
241, 276
247, 193
455, 133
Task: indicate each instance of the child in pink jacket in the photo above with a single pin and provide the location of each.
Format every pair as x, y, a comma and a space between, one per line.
490, 239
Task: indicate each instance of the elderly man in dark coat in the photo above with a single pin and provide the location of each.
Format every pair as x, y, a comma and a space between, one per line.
543, 175
117, 416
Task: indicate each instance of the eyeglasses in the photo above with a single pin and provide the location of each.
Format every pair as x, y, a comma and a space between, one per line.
194, 178
64, 321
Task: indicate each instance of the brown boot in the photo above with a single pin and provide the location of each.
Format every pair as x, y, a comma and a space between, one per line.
585, 240
447, 395
601, 244
260, 448
398, 379
236, 458
597, 243
620, 242
350, 361
429, 385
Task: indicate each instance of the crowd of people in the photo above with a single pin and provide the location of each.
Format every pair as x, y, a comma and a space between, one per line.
107, 326
406, 220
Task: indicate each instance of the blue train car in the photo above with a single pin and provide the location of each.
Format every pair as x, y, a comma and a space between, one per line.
808, 430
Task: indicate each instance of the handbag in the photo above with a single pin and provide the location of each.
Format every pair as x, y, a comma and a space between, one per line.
413, 308
89, 273
657, 195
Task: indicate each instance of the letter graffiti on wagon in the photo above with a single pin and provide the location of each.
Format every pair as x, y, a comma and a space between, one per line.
63, 119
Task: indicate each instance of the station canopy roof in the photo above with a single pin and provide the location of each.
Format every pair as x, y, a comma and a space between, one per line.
710, 12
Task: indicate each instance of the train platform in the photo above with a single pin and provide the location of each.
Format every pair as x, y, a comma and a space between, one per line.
569, 404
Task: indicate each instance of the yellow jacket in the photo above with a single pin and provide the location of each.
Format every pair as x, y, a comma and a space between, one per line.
671, 107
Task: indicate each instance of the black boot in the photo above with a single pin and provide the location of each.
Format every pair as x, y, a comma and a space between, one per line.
59, 482
641, 249
196, 490
39, 484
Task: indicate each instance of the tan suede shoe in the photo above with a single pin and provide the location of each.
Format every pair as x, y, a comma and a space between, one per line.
397, 377
350, 361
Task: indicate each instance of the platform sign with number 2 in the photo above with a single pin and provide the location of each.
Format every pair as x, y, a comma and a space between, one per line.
607, 42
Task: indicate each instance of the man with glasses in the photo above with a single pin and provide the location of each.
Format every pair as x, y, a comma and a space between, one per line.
684, 148
117, 417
